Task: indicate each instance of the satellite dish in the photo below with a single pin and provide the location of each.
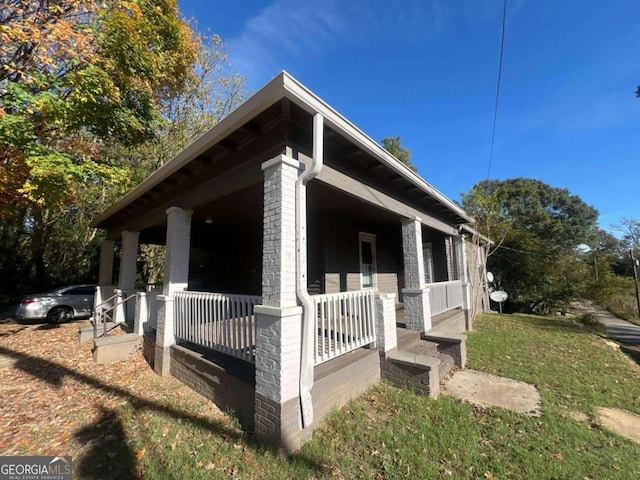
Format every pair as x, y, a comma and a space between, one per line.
499, 296
490, 277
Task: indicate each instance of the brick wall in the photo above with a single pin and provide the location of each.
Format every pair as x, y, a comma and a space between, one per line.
217, 381
421, 379
335, 389
278, 250
413, 256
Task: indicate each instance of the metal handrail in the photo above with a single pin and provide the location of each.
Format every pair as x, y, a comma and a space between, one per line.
101, 312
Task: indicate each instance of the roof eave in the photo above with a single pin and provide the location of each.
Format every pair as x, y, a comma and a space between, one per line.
296, 91
281, 86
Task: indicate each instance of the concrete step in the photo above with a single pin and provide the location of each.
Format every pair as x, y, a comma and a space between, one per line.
418, 373
446, 365
422, 347
114, 348
86, 332
407, 338
449, 323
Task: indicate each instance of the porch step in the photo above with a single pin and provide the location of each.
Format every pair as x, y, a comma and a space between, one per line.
432, 349
452, 321
423, 347
114, 348
407, 338
446, 365
85, 333
416, 372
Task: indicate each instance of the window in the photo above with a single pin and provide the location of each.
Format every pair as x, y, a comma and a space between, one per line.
368, 271
81, 291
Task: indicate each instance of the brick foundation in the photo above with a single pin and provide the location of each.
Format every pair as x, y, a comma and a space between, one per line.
225, 381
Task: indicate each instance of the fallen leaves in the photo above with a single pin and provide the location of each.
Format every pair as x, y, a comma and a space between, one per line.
51, 390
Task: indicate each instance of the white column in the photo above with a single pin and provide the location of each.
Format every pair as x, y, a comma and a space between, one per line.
142, 313
176, 278
279, 318
128, 261
466, 285
417, 312
105, 274
176, 267
386, 332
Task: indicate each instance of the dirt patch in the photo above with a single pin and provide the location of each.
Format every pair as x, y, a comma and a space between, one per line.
623, 423
579, 417
491, 391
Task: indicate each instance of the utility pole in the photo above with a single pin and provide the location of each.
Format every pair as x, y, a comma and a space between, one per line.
634, 262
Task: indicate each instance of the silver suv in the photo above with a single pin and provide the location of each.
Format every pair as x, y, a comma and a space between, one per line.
59, 305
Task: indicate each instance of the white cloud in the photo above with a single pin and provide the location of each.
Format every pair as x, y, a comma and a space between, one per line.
284, 32
289, 33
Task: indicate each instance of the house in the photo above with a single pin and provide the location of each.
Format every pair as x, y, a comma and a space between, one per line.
295, 248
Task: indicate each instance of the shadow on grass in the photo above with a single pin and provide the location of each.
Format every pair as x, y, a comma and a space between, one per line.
109, 430
633, 352
108, 454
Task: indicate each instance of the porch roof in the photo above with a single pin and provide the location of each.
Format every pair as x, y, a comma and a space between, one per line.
232, 132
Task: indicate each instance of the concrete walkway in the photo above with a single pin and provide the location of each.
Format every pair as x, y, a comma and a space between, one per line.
492, 391
620, 330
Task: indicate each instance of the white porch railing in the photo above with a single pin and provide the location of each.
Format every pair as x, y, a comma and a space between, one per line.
444, 296
344, 322
222, 322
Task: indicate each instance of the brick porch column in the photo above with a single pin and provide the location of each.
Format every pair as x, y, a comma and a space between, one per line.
279, 318
105, 272
128, 261
176, 278
417, 312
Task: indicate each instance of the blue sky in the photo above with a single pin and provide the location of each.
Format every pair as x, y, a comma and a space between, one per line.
426, 70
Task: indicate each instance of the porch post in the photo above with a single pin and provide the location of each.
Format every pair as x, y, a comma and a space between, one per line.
386, 333
466, 285
417, 311
176, 277
176, 266
105, 272
128, 261
279, 318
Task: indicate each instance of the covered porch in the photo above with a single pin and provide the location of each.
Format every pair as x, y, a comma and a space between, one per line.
291, 240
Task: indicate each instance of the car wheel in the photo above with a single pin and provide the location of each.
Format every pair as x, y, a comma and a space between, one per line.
59, 314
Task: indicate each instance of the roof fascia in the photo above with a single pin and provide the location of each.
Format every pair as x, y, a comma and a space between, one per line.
308, 100
257, 103
282, 85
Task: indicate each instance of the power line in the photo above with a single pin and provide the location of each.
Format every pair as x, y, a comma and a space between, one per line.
495, 109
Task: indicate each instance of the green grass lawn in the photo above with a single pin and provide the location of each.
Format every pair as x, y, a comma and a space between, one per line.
392, 433
127, 422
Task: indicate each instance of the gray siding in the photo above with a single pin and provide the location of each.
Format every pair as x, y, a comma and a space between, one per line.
335, 255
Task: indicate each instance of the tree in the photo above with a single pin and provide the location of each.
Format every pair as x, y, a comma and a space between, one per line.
630, 229
75, 74
394, 147
538, 229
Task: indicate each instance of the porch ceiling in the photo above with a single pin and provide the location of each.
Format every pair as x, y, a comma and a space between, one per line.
323, 198
227, 159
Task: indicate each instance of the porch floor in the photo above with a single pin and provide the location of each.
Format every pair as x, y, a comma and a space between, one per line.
437, 322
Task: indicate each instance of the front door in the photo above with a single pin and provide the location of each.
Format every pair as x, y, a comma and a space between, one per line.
368, 273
